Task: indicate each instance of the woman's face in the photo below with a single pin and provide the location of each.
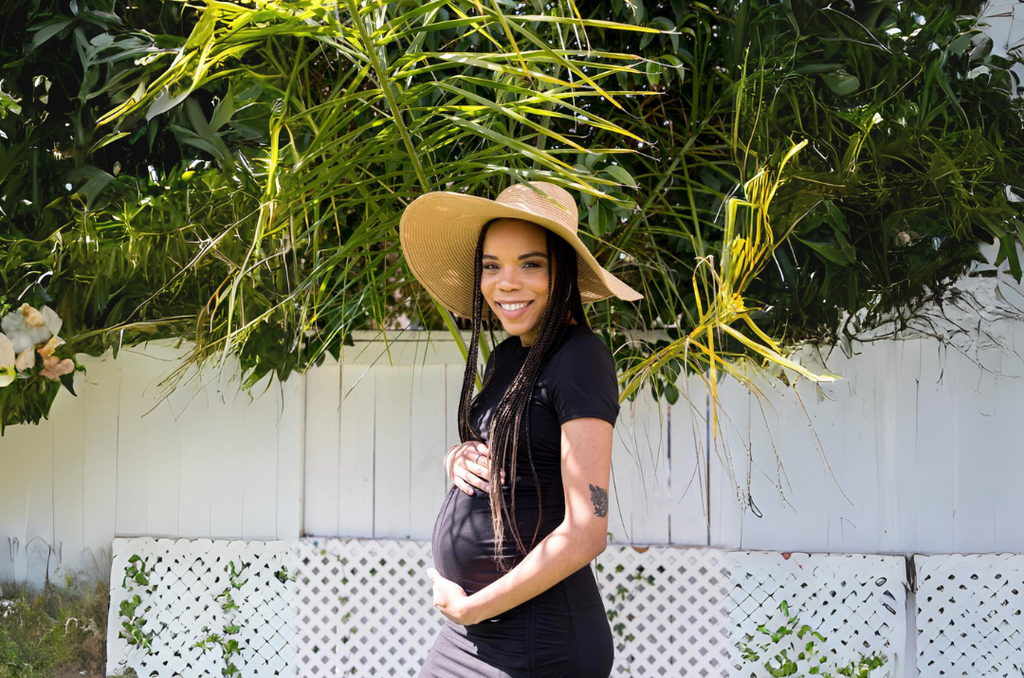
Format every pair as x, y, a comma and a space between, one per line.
515, 272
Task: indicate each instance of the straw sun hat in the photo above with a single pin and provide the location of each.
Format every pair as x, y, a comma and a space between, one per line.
439, 232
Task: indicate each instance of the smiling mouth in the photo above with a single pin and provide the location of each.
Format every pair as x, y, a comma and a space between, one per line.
512, 308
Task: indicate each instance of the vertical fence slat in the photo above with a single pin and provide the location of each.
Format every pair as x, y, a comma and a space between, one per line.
728, 460
100, 395
354, 501
134, 436
228, 465
392, 475
427, 486
453, 374
27, 460
68, 469
620, 492
259, 445
650, 475
688, 478
323, 392
896, 421
935, 459
1005, 487
198, 446
290, 437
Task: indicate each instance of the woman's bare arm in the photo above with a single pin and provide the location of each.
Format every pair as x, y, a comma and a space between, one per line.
582, 535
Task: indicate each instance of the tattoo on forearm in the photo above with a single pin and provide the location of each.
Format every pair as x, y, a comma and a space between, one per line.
599, 497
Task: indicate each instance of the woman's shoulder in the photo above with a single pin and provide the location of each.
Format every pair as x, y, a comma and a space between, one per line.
581, 377
582, 342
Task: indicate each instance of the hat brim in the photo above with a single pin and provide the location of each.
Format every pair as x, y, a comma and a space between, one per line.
439, 232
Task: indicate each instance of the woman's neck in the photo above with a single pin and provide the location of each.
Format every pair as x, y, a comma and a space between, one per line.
572, 321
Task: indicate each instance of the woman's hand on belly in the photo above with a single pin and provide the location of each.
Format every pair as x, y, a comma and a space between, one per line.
468, 466
451, 599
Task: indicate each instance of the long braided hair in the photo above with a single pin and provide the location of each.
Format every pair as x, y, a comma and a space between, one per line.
512, 414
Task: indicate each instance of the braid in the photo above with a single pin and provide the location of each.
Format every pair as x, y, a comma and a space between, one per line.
512, 416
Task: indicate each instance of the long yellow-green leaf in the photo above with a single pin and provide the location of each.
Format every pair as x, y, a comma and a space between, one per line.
594, 23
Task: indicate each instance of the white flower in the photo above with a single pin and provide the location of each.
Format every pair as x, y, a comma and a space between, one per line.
27, 327
7, 371
52, 320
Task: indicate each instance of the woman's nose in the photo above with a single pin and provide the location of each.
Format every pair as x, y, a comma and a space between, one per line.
509, 278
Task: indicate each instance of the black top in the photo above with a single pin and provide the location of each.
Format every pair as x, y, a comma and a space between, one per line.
578, 380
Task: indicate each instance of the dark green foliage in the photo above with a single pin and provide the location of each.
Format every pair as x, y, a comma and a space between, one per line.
250, 204
899, 200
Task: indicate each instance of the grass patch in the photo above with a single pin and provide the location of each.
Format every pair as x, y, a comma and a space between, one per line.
56, 631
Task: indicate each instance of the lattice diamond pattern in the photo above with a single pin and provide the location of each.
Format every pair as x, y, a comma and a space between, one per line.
969, 615
668, 609
364, 607
857, 602
186, 577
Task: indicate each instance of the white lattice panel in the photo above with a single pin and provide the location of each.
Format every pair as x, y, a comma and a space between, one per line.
365, 607
668, 610
857, 602
185, 578
969, 615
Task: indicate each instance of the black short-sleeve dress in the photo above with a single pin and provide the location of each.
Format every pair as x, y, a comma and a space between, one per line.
564, 631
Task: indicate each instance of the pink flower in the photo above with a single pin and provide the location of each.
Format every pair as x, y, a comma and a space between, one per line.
47, 349
54, 367
26, 360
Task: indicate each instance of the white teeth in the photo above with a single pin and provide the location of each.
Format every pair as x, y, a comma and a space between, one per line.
512, 307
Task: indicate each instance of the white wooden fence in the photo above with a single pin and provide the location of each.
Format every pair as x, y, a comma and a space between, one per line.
917, 454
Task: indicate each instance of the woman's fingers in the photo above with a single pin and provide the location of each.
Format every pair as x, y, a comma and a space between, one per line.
475, 477
463, 485
479, 463
470, 467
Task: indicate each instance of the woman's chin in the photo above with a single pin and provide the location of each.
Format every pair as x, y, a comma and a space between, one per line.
516, 329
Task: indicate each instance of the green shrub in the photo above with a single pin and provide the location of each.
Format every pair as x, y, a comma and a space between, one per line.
56, 632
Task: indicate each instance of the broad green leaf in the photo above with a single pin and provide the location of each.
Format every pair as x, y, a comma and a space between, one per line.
620, 175
47, 30
841, 82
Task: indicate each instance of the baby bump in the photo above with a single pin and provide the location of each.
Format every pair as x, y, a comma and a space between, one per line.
463, 540
463, 537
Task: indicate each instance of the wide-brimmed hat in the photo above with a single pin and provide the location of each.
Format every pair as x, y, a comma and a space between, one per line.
439, 233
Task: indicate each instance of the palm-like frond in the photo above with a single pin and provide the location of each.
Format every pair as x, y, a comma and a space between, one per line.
369, 113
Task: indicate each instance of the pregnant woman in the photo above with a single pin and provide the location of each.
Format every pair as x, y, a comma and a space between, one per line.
528, 508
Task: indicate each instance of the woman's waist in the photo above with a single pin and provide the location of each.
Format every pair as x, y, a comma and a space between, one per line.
525, 494
576, 595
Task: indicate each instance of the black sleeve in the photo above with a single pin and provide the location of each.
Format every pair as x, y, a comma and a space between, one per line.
584, 382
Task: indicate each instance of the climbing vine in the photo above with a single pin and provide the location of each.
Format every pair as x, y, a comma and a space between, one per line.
133, 622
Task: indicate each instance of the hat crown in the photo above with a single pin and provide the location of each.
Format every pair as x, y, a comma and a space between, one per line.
555, 203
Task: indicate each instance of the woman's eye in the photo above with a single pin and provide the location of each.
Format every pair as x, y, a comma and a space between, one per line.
489, 267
